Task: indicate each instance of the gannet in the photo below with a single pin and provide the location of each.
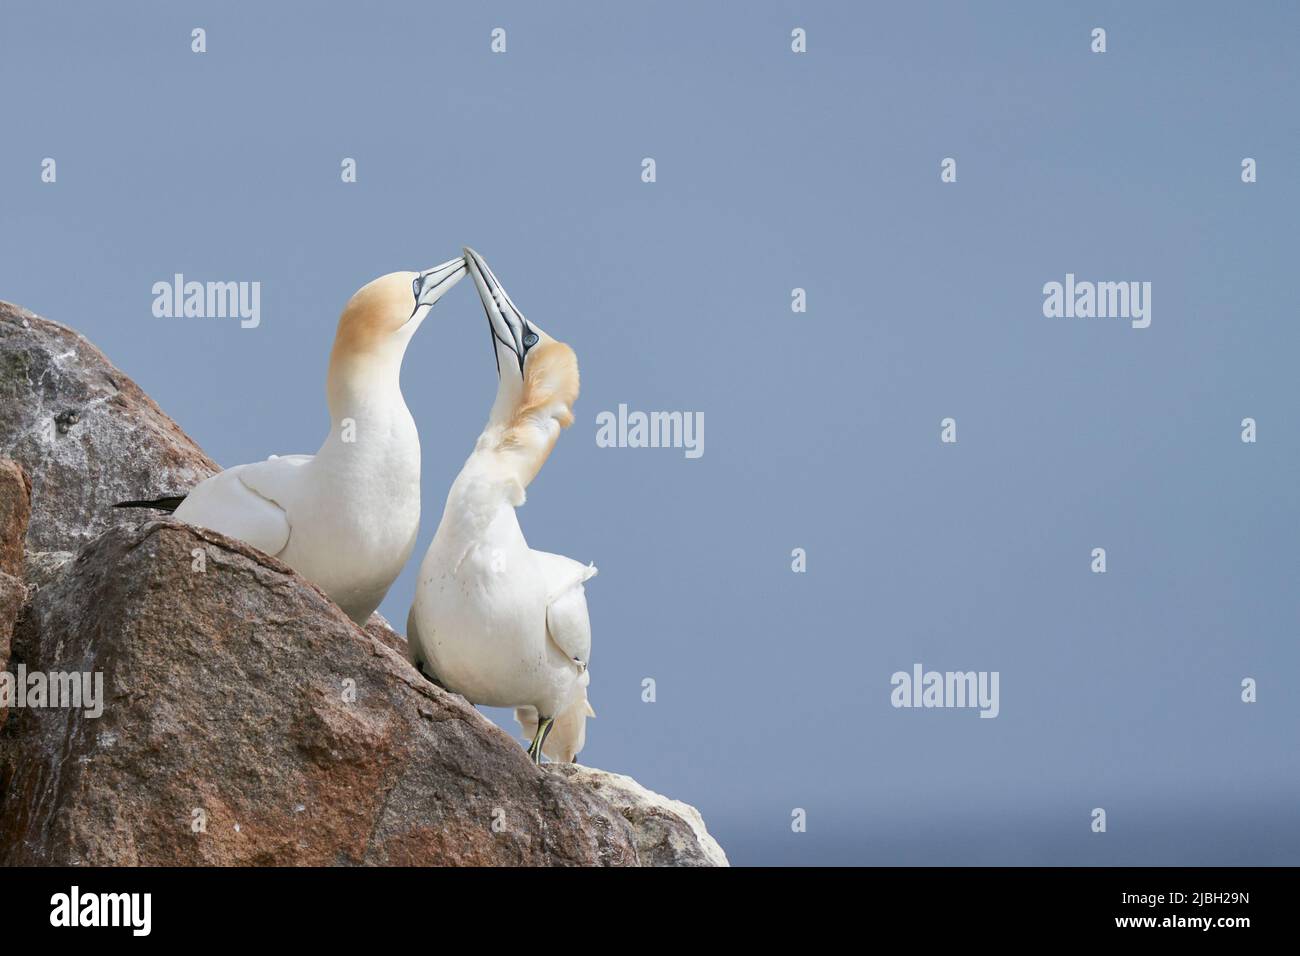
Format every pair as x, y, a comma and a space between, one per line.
494, 620
345, 518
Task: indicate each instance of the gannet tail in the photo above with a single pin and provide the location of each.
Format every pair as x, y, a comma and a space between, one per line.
169, 503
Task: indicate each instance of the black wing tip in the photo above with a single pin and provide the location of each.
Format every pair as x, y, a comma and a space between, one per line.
168, 503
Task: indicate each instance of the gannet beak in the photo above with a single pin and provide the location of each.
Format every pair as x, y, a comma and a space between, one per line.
506, 322
432, 284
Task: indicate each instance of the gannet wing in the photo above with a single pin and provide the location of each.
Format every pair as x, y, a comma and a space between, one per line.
567, 621
277, 482
227, 504
278, 479
561, 573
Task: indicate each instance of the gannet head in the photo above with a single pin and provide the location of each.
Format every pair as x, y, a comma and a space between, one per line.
382, 315
569, 732
538, 375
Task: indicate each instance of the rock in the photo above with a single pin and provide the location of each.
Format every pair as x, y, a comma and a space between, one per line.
15, 507
85, 434
42, 567
667, 832
12, 596
237, 696
15, 511
379, 628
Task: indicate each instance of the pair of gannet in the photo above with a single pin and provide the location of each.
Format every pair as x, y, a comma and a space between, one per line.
492, 619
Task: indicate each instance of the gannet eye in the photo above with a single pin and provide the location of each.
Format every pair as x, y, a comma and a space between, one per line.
415, 287
530, 340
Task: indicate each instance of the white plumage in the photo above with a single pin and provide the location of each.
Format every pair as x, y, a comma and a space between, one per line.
493, 619
345, 518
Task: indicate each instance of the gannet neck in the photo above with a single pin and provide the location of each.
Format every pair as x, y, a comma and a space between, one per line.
374, 330
480, 505
529, 412
510, 387
371, 429
360, 382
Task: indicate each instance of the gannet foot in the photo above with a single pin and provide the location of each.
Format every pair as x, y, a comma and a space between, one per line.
544, 725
